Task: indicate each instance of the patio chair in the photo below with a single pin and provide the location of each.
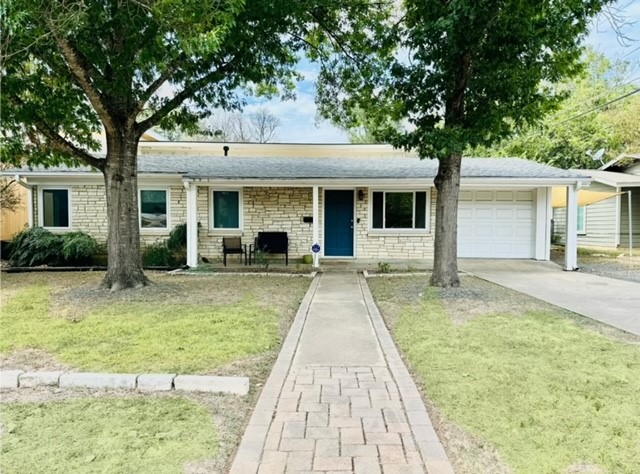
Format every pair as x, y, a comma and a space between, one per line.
233, 246
270, 242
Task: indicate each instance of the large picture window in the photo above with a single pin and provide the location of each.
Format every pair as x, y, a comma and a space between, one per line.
226, 209
55, 208
153, 209
399, 210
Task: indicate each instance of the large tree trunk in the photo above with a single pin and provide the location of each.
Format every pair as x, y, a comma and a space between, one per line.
124, 269
445, 262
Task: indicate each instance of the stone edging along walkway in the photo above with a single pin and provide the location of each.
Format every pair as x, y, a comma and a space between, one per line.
15, 379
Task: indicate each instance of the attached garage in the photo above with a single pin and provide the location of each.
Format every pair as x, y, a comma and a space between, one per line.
496, 223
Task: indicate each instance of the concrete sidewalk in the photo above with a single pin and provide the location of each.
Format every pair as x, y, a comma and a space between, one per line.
339, 397
613, 302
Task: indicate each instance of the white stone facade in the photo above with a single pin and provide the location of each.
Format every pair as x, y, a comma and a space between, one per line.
262, 209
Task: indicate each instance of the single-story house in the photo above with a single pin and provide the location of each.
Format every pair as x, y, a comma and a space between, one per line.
609, 208
380, 207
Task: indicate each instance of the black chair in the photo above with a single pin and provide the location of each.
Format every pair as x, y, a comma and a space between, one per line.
270, 242
233, 246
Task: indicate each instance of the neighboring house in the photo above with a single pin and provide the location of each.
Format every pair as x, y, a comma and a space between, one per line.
606, 223
12, 222
355, 207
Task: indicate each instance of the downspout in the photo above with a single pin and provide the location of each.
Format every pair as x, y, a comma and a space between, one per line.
630, 224
616, 235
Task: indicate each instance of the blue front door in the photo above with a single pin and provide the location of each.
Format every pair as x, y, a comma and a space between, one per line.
338, 223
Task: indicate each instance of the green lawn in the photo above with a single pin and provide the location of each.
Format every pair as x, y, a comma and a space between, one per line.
189, 326
545, 391
108, 435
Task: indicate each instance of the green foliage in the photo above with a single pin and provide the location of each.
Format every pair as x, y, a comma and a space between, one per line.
89, 435
136, 337
177, 238
262, 259
157, 255
35, 246
458, 74
564, 137
78, 248
384, 267
72, 67
38, 246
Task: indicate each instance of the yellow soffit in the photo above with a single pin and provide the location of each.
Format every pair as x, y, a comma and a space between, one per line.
585, 197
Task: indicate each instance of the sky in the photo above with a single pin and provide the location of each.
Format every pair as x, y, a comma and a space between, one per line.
300, 124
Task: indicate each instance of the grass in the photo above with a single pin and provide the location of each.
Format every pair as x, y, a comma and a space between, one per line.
173, 329
106, 435
548, 393
139, 337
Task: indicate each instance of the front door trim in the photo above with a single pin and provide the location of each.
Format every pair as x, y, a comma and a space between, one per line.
355, 220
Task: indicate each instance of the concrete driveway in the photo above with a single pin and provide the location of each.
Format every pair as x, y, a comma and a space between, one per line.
614, 302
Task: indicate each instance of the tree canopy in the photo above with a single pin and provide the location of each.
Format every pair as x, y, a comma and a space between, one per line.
458, 74
72, 68
596, 114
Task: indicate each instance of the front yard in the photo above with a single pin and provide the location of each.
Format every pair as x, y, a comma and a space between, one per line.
514, 384
218, 325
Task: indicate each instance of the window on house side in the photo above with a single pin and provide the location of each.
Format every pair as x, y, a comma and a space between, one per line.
153, 209
226, 209
582, 219
399, 210
55, 208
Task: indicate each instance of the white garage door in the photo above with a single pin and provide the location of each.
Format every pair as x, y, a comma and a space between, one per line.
496, 224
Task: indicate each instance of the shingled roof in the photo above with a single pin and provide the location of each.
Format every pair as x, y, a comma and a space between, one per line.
278, 168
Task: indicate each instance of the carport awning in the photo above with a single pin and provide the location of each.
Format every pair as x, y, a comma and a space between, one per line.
585, 197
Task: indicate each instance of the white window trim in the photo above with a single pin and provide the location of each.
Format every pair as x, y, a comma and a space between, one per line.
384, 231
240, 192
154, 230
584, 220
41, 207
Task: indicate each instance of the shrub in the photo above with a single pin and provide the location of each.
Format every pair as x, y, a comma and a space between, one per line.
36, 246
178, 238
79, 248
157, 255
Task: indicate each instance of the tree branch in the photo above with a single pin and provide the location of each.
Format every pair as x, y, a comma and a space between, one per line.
180, 97
58, 142
85, 74
152, 89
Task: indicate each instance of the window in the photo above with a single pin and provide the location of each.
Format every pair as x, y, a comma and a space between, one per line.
399, 210
153, 209
582, 219
55, 208
226, 210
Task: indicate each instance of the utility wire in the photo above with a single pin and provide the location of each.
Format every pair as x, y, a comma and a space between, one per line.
595, 97
598, 107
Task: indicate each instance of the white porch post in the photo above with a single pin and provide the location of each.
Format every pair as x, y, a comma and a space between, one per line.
571, 246
542, 224
316, 219
192, 223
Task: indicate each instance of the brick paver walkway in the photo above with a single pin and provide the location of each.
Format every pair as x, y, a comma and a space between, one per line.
317, 415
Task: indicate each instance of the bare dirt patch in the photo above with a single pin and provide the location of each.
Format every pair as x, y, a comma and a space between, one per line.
607, 263
32, 360
584, 468
475, 298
